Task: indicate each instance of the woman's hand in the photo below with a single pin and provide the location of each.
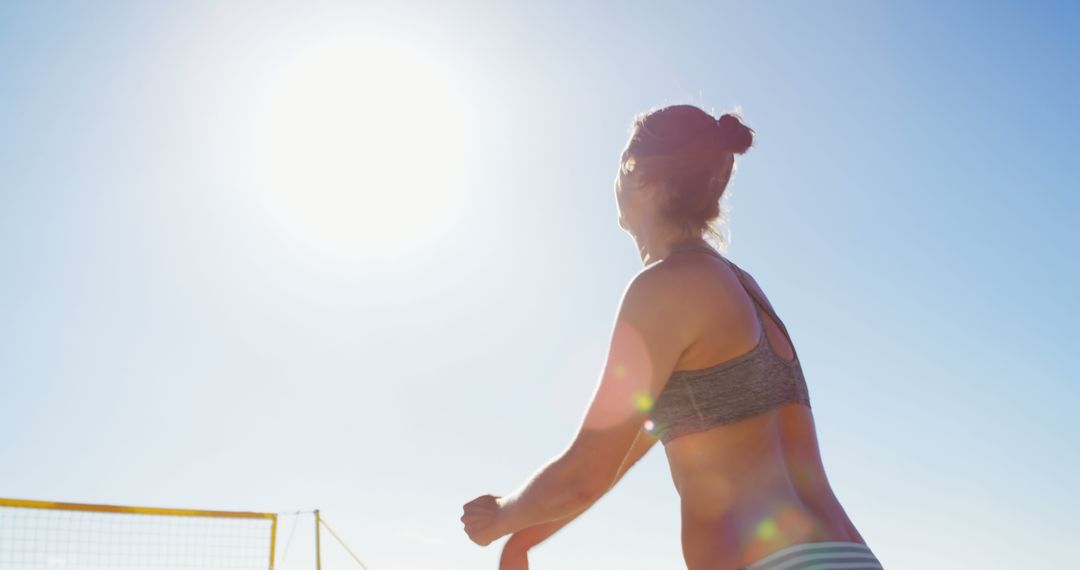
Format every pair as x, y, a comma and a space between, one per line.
482, 518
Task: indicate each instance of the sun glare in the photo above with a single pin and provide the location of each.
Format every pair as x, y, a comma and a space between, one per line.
362, 145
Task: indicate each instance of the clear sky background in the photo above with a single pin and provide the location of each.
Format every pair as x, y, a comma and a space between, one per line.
363, 256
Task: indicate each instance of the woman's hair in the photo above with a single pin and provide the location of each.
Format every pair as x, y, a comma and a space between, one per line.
689, 154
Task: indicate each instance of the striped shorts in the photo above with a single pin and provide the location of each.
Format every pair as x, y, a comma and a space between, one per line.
828, 555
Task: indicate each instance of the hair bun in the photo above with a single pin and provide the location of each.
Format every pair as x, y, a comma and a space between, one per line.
734, 135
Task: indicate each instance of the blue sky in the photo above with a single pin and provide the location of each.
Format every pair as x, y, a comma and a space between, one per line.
195, 317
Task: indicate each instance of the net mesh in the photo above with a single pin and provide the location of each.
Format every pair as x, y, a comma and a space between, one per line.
54, 539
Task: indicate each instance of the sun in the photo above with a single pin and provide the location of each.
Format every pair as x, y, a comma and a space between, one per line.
361, 144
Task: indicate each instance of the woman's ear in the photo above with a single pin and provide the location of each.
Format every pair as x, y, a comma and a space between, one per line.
653, 193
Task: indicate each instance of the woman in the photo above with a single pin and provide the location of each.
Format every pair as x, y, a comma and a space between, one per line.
700, 361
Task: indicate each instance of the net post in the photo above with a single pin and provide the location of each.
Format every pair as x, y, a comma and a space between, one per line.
318, 545
273, 539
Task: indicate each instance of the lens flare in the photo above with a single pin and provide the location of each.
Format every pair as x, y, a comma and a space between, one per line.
786, 524
643, 402
767, 530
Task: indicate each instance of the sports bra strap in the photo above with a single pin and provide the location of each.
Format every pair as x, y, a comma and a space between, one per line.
739, 275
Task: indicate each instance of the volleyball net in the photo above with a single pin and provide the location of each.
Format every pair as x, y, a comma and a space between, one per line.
46, 535
40, 535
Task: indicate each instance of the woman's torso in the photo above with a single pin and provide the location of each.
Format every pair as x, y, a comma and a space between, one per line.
754, 486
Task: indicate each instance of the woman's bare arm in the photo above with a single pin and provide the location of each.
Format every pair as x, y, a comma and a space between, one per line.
527, 538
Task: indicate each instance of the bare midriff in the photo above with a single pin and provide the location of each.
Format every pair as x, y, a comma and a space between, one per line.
752, 487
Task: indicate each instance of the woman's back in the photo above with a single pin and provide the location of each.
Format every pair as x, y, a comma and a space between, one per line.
802, 455
753, 486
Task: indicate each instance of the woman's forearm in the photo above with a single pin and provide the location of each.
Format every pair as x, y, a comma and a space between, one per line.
529, 537
526, 538
556, 491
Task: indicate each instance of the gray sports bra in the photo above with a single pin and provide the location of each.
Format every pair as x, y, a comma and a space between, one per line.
743, 386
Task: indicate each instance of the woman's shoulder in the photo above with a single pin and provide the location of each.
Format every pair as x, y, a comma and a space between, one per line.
671, 283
